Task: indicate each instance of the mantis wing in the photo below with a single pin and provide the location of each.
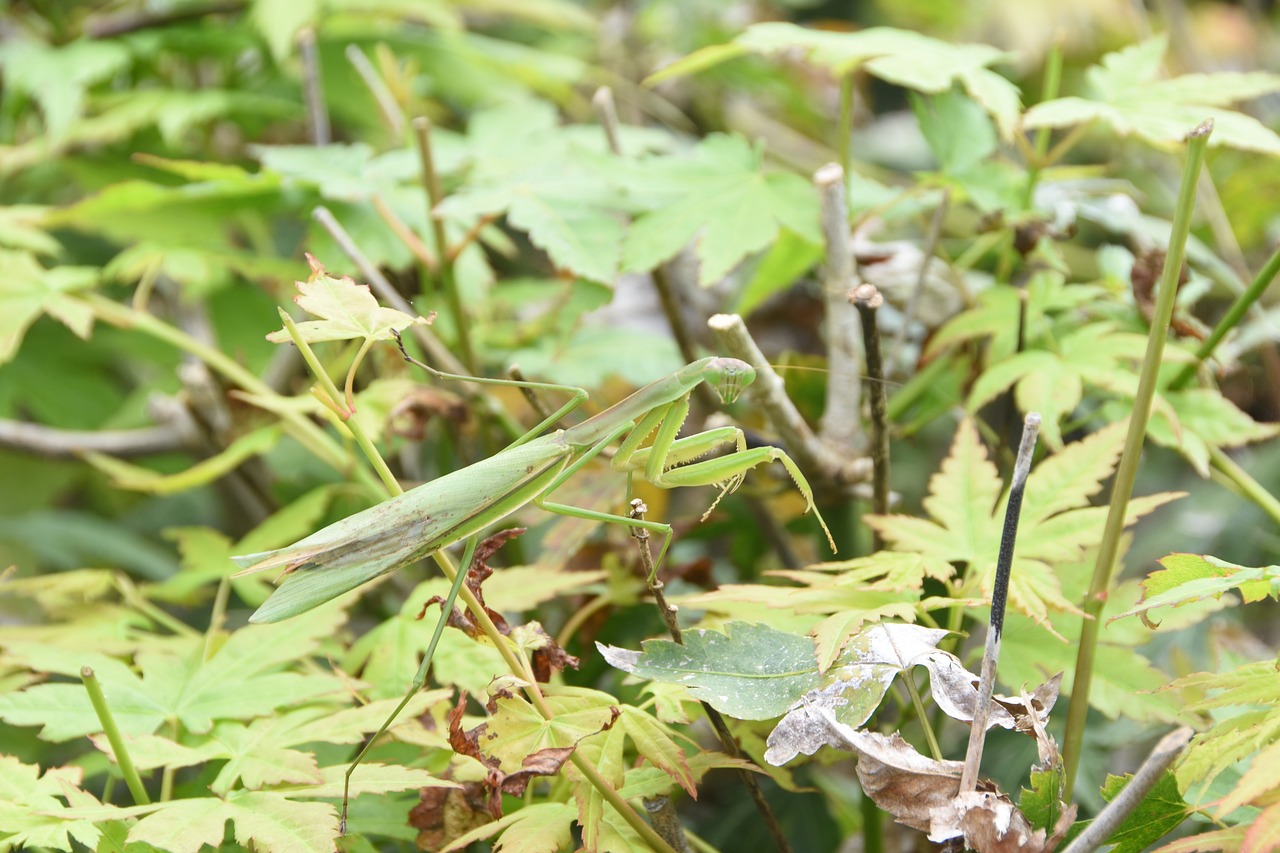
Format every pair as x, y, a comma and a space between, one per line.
399, 531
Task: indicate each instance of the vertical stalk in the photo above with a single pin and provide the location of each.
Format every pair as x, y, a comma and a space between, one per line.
1230, 319
112, 731
999, 598
448, 281
1127, 471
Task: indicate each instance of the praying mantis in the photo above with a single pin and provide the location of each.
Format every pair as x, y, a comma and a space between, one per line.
460, 505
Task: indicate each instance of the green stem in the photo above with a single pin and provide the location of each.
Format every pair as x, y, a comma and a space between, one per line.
109, 728
1127, 471
922, 715
448, 281
357, 430
1230, 319
539, 703
308, 434
1049, 91
1240, 478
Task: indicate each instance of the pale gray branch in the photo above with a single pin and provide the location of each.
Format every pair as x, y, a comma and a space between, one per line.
841, 424
811, 454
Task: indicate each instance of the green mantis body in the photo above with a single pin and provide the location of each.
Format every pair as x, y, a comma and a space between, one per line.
451, 508
462, 504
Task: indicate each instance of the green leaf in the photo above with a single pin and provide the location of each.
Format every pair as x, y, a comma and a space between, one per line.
1042, 802
655, 742
1205, 419
177, 684
516, 730
897, 56
548, 183
1129, 95
750, 672
57, 77
31, 813
262, 818
958, 132
539, 828
720, 197
1160, 811
1058, 525
348, 311
280, 20
27, 290
1189, 577
783, 264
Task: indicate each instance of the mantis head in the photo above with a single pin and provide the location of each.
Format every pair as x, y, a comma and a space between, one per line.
729, 376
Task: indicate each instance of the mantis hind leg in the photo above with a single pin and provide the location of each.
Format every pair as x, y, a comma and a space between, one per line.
419, 679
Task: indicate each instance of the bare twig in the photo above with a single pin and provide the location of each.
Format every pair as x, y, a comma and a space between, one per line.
439, 353
638, 509
313, 88
812, 455
412, 241
1109, 819
378, 88
662, 814
999, 597
125, 443
607, 112
867, 299
840, 424
111, 26
929, 250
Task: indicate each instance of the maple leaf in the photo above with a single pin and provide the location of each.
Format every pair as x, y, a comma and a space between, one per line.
720, 199
1052, 382
552, 184
1129, 95
348, 310
1197, 419
1187, 577
27, 290
901, 57
31, 813
965, 514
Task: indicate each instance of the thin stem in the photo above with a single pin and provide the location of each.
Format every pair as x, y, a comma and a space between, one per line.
66, 444
1109, 819
387, 105
516, 667
607, 111
999, 599
867, 299
412, 242
1230, 319
448, 281
313, 88
918, 704
385, 291
217, 617
100, 707
357, 429
1241, 479
307, 433
840, 425
668, 612
666, 822
1127, 471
